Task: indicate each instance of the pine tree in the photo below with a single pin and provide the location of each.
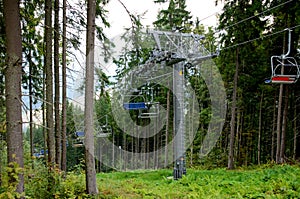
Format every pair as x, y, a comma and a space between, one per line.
49, 83
13, 75
175, 17
235, 32
91, 184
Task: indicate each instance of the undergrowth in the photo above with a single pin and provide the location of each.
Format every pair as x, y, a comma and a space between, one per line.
281, 181
42, 183
266, 181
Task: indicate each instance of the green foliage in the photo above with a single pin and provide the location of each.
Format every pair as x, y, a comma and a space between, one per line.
103, 82
261, 182
42, 183
10, 180
266, 181
71, 119
239, 25
174, 17
38, 138
75, 157
32, 41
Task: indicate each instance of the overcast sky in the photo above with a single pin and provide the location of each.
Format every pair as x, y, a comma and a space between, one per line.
119, 19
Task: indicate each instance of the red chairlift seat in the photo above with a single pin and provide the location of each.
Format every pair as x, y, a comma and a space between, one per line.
284, 70
280, 79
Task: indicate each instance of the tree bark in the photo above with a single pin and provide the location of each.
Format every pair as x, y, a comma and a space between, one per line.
295, 129
191, 138
91, 185
284, 123
279, 113
167, 128
30, 106
237, 134
154, 146
57, 86
49, 84
259, 128
13, 76
278, 126
233, 113
273, 129
64, 91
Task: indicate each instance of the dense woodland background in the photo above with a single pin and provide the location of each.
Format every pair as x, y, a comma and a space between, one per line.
262, 122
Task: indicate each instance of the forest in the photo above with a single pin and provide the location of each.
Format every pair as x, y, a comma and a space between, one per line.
190, 112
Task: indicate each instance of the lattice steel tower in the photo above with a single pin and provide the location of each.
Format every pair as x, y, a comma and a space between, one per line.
180, 50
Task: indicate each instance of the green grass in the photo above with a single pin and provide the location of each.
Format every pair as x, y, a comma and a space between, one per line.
274, 182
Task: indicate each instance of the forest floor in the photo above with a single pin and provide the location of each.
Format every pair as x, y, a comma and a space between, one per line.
280, 181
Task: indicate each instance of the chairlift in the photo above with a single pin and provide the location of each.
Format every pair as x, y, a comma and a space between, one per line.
40, 154
152, 114
79, 139
143, 106
105, 130
78, 144
131, 105
285, 69
135, 106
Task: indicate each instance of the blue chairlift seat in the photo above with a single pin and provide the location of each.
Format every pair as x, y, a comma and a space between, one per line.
135, 106
79, 134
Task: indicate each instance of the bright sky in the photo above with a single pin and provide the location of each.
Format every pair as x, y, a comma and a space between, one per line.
119, 19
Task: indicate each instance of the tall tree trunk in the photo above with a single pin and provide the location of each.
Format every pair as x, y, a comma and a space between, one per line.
64, 91
237, 133
45, 137
295, 129
147, 149
49, 84
30, 106
259, 128
284, 123
240, 147
13, 76
278, 126
273, 129
191, 138
57, 89
28, 57
91, 184
167, 128
125, 149
1, 155
279, 113
233, 113
154, 147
